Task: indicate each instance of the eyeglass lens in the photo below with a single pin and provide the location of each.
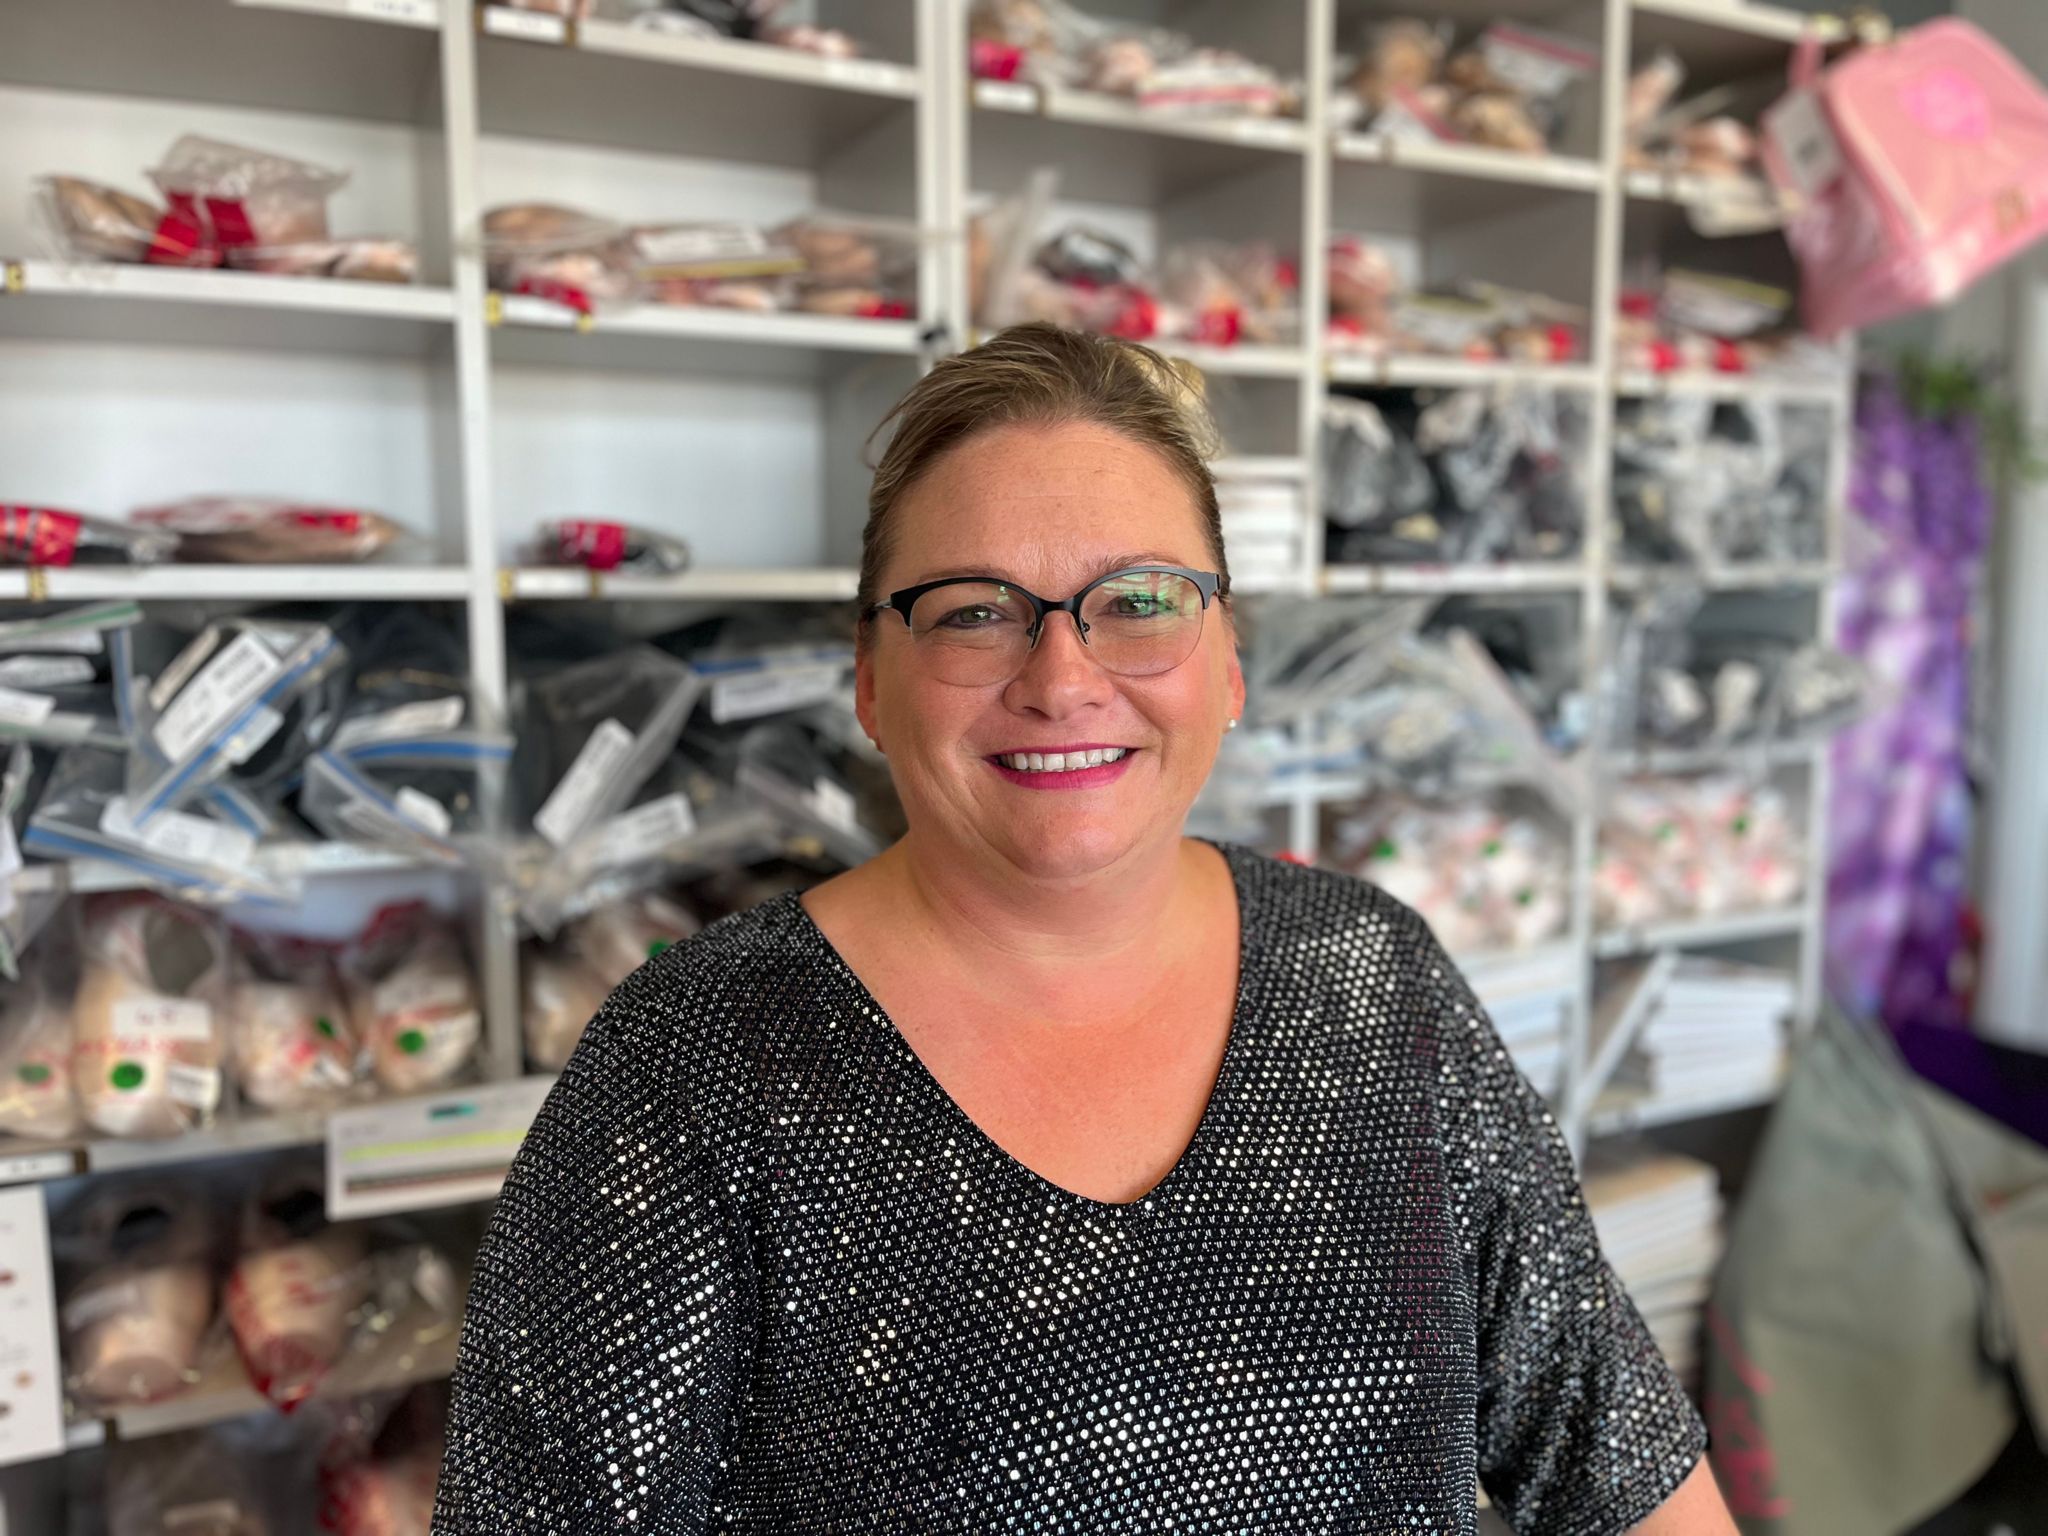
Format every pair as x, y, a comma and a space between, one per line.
1136, 625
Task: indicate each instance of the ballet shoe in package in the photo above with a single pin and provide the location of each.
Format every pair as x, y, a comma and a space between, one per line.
289, 1034
149, 1041
292, 1297
139, 1292
413, 1000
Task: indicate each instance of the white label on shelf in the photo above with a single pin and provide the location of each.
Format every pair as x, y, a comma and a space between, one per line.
415, 992
194, 1087
532, 26
428, 717
18, 708
33, 1167
44, 671
415, 12
211, 1515
423, 811
169, 1019
229, 681
568, 807
1799, 126
76, 642
438, 1149
861, 74
745, 695
645, 831
249, 740
177, 835
1265, 130
835, 805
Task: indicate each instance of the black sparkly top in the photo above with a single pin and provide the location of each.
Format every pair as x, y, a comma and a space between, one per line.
754, 1270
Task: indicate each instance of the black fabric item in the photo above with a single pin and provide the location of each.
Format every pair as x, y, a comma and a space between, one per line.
754, 1270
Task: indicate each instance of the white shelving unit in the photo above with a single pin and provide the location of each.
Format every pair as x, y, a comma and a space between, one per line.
470, 418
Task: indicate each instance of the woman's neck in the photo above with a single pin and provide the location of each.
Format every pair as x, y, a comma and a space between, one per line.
1010, 928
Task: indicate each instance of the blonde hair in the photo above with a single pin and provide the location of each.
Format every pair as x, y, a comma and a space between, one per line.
1039, 374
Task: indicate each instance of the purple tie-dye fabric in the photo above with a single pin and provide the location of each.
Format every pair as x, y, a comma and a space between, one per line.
1899, 828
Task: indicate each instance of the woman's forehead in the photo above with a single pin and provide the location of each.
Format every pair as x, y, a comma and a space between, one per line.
1047, 501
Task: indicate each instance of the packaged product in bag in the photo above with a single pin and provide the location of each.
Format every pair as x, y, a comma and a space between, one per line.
560, 254
413, 999
249, 1476
261, 530
236, 196
149, 1016
621, 547
725, 265
853, 265
617, 940
55, 675
354, 260
84, 814
90, 221
23, 911
559, 995
138, 1290
53, 536
219, 704
37, 1100
290, 1037
292, 1295
410, 763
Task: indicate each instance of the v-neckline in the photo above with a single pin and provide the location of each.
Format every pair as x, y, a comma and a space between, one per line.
1235, 1045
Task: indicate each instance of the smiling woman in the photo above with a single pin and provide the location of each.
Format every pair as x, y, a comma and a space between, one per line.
1054, 1171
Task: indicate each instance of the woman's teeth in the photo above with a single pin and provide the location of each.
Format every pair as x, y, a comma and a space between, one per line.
1056, 762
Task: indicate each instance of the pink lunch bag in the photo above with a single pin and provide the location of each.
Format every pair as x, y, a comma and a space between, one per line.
1916, 166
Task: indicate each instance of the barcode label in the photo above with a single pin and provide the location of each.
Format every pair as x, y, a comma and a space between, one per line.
532, 26
228, 683
568, 809
772, 690
412, 12
645, 831
45, 672
194, 1087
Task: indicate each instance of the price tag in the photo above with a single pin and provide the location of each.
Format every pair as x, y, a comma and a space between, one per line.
163, 1019
34, 1167
35, 672
861, 74
646, 831
414, 1154
1266, 130
771, 690
528, 26
412, 13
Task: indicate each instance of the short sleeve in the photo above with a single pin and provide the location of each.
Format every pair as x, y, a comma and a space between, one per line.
1583, 1429
596, 1388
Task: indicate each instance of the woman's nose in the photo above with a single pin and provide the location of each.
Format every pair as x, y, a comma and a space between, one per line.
1060, 673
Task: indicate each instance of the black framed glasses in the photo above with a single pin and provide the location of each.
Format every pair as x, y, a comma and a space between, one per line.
1136, 622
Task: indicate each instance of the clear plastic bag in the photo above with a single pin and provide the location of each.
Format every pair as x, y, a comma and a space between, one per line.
260, 530
135, 1258
52, 536
562, 254
413, 1000
149, 1016
246, 197
218, 704
90, 221
290, 1037
1695, 847
559, 994
353, 260
55, 684
853, 265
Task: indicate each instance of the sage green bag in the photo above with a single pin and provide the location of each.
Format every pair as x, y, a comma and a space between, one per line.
1882, 1300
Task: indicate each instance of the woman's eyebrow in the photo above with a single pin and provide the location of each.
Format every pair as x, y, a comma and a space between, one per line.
996, 572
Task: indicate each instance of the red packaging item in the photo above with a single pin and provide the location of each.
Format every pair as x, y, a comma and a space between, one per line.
259, 530
601, 546
50, 536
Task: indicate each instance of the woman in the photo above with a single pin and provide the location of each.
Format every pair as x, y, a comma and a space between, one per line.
1053, 1171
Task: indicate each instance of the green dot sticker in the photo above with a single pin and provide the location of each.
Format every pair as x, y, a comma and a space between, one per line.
1524, 896
1383, 849
1666, 832
412, 1042
325, 1026
1492, 848
126, 1076
1741, 825
658, 946
34, 1073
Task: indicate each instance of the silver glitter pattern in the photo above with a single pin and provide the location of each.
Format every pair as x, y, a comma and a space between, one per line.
755, 1271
